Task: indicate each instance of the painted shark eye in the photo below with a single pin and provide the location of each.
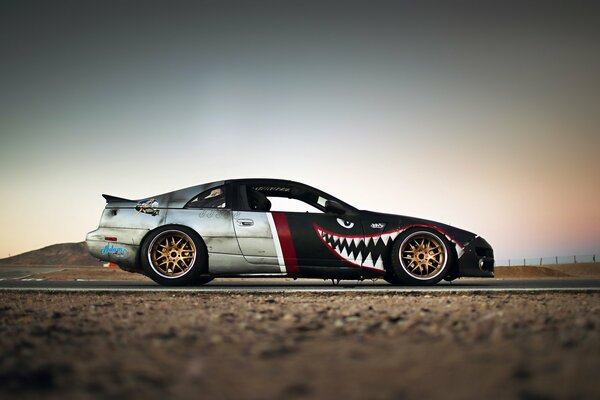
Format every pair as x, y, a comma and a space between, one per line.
345, 224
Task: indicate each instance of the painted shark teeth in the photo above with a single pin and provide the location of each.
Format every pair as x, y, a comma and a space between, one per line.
360, 251
368, 261
388, 237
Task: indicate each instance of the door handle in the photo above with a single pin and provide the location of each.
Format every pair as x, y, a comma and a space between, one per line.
245, 222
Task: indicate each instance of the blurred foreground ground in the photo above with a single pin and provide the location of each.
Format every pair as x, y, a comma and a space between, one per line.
299, 345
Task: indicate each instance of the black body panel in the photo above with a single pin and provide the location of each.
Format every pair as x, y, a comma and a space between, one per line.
319, 255
310, 251
477, 259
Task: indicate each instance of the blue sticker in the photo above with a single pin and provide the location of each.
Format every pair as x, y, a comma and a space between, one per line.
117, 251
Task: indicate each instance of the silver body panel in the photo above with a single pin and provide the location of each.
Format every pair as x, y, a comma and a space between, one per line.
226, 264
129, 226
175, 199
216, 228
255, 237
129, 218
129, 240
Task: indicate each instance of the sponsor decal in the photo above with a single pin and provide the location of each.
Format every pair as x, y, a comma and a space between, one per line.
281, 189
147, 207
116, 251
217, 214
378, 225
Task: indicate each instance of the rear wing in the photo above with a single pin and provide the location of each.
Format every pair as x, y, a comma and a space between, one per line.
115, 199
146, 206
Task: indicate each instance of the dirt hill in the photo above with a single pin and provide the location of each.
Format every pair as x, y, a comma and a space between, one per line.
582, 270
68, 254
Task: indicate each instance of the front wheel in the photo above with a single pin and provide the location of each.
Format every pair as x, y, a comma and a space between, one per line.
175, 256
420, 257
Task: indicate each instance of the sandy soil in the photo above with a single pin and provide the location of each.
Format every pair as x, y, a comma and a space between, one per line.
582, 270
92, 273
337, 345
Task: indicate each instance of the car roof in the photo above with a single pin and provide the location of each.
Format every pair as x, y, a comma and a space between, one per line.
264, 180
180, 197
176, 198
285, 182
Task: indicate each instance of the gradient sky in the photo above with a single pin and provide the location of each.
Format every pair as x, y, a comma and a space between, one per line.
486, 117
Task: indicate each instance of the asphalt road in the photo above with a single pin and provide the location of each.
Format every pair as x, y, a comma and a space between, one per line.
280, 285
24, 278
20, 272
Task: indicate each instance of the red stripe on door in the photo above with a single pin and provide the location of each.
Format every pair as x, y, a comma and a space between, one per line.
285, 240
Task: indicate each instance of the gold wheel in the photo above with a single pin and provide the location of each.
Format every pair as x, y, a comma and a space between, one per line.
172, 254
423, 255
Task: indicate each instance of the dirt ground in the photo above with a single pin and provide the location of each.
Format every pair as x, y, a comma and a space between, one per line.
92, 273
299, 345
582, 270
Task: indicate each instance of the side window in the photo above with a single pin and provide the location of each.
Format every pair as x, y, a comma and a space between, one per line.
278, 197
212, 198
291, 205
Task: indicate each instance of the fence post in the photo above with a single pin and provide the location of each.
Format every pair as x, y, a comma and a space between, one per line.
594, 258
540, 260
557, 260
575, 259
524, 263
509, 262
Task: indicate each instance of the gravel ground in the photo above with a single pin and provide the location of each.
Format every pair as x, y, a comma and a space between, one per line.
294, 346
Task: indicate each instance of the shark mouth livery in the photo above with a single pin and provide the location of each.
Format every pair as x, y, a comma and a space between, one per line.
361, 251
367, 251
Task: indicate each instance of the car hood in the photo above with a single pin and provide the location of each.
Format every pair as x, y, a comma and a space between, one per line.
394, 221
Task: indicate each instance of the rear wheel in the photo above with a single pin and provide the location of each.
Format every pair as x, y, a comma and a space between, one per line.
175, 256
420, 257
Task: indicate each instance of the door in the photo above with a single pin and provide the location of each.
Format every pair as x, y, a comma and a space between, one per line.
307, 243
254, 232
322, 240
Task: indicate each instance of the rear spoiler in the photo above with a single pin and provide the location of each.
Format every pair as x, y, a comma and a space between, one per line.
115, 199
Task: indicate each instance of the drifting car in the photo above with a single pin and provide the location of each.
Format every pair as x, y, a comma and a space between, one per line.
228, 229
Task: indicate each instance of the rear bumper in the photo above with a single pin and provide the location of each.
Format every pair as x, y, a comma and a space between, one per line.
123, 251
477, 259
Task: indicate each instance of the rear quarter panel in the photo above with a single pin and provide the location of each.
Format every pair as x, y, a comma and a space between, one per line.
215, 226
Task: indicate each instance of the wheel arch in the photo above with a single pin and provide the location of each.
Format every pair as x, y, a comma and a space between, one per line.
453, 272
453, 268
138, 259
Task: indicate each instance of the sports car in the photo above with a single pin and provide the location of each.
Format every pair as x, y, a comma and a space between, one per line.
230, 228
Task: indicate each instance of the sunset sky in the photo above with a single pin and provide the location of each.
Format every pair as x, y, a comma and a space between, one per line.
483, 117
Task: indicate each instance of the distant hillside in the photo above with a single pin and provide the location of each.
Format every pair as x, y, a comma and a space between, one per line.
56, 254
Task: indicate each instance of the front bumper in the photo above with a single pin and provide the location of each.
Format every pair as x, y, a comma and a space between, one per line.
477, 259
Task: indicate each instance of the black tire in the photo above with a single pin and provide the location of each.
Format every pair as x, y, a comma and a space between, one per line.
391, 279
420, 257
175, 256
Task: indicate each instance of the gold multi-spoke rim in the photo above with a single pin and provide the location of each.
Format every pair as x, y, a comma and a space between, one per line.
172, 254
423, 255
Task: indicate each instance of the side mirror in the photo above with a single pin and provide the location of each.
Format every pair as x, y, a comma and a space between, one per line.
333, 207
